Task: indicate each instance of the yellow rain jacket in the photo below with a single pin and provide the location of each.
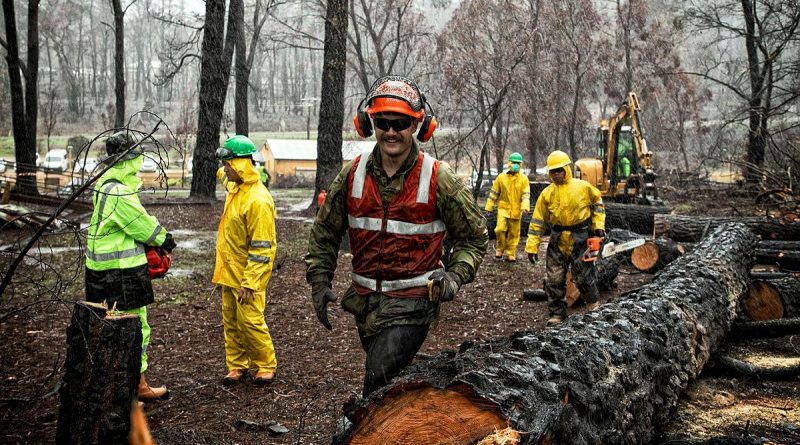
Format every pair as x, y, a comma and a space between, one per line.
246, 240
565, 204
512, 193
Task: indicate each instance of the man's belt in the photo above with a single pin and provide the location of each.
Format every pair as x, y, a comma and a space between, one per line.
391, 285
583, 225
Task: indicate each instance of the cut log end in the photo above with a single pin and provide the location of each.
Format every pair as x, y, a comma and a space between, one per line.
763, 302
645, 257
430, 416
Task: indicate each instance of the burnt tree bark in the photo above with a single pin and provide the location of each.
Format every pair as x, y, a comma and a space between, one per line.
101, 377
693, 228
636, 218
331, 107
654, 255
610, 376
772, 299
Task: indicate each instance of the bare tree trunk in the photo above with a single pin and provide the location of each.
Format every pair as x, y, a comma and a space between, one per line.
241, 117
217, 54
331, 108
119, 63
24, 102
756, 137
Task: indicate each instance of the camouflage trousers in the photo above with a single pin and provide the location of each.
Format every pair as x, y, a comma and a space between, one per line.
555, 282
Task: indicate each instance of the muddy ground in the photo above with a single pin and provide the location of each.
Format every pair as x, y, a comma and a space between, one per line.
318, 370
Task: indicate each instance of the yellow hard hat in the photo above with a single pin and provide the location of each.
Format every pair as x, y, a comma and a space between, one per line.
557, 159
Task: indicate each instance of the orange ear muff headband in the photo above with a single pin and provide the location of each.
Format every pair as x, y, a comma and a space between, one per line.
362, 121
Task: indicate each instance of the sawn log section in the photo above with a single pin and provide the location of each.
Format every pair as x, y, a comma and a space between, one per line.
610, 376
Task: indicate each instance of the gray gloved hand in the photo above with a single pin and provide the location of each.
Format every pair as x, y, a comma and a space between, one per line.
321, 295
533, 258
443, 286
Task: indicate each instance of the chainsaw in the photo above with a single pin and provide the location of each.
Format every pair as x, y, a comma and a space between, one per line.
595, 248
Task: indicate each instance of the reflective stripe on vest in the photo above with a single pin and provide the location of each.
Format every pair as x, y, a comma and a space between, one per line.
423, 191
392, 285
98, 257
396, 227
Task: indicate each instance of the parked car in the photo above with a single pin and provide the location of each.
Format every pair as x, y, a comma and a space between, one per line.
56, 160
149, 165
2, 166
87, 166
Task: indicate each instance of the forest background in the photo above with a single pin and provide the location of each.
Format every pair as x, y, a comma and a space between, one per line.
718, 80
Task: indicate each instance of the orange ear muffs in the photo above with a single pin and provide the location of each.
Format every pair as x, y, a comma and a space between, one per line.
427, 128
362, 122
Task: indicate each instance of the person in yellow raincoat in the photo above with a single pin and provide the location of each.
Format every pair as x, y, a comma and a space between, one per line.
246, 246
574, 211
512, 192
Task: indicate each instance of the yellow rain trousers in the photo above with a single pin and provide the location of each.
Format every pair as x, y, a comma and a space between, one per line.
247, 340
513, 195
246, 247
567, 204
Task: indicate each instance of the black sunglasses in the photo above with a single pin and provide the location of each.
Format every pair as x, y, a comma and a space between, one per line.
397, 125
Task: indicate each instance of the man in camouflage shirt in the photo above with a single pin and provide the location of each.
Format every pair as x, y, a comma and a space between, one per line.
396, 204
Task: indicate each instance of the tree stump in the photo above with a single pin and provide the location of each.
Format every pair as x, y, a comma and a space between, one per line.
654, 255
772, 299
101, 376
609, 376
607, 271
693, 228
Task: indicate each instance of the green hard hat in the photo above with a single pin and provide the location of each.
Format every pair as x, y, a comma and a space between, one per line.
240, 145
515, 157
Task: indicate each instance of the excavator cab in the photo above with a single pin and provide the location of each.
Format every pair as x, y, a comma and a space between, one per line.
623, 169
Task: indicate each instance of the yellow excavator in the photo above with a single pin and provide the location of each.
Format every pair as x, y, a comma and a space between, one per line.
624, 170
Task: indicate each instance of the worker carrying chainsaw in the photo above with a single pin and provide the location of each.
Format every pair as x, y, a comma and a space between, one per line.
125, 246
574, 211
246, 247
512, 193
396, 204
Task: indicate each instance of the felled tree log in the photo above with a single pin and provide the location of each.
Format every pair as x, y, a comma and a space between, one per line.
654, 255
693, 228
609, 376
731, 367
784, 254
766, 329
534, 295
636, 218
101, 376
772, 299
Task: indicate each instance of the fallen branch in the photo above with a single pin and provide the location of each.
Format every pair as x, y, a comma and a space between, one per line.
766, 329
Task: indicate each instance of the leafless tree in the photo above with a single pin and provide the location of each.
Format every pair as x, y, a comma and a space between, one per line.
331, 110
767, 88
24, 100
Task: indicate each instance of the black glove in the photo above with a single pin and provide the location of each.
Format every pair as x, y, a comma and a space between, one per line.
533, 258
321, 295
600, 232
169, 243
443, 286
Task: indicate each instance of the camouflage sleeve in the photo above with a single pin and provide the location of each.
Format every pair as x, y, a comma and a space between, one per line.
329, 227
466, 227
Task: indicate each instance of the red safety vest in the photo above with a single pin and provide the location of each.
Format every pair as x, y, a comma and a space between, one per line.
395, 246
